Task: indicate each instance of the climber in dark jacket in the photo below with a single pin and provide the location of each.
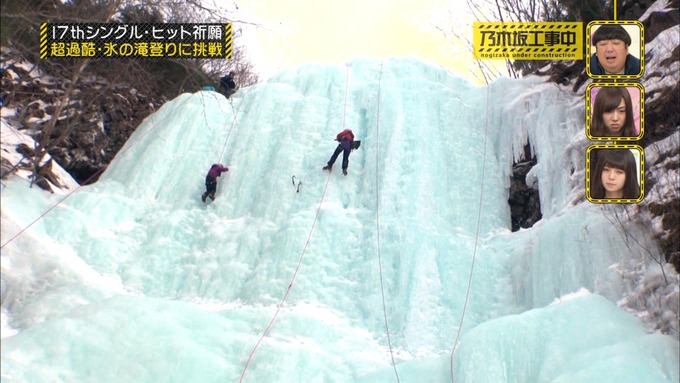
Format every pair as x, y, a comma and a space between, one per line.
346, 140
215, 171
227, 84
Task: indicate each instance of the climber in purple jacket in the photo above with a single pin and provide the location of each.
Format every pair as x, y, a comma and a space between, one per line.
215, 171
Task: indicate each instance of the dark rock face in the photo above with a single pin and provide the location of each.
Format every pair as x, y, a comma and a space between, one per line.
662, 182
524, 201
98, 119
659, 22
662, 122
669, 239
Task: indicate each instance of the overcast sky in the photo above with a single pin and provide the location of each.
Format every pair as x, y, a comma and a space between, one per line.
294, 32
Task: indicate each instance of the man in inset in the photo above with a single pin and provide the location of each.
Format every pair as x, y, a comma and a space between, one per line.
611, 42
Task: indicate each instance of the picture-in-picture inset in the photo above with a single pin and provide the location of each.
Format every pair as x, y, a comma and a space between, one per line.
615, 174
616, 49
615, 111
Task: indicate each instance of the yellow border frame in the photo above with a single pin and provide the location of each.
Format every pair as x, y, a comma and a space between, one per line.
520, 30
228, 40
615, 84
616, 76
642, 174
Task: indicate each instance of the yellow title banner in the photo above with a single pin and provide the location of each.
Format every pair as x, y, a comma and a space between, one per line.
527, 41
135, 40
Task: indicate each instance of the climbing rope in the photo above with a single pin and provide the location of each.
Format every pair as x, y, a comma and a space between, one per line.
344, 111
122, 153
302, 256
233, 121
290, 285
377, 223
93, 176
479, 219
235, 112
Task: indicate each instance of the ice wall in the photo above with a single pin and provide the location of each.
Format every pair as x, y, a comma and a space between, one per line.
135, 278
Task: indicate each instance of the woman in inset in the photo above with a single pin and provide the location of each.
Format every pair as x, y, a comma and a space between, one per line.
615, 175
613, 113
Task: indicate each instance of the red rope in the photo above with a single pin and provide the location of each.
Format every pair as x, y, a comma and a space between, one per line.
290, 285
97, 173
302, 256
47, 211
121, 153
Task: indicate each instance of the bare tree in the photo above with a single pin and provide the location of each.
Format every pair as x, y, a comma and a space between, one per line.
547, 11
163, 77
529, 11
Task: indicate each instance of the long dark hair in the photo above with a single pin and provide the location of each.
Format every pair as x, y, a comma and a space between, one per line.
615, 158
606, 100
